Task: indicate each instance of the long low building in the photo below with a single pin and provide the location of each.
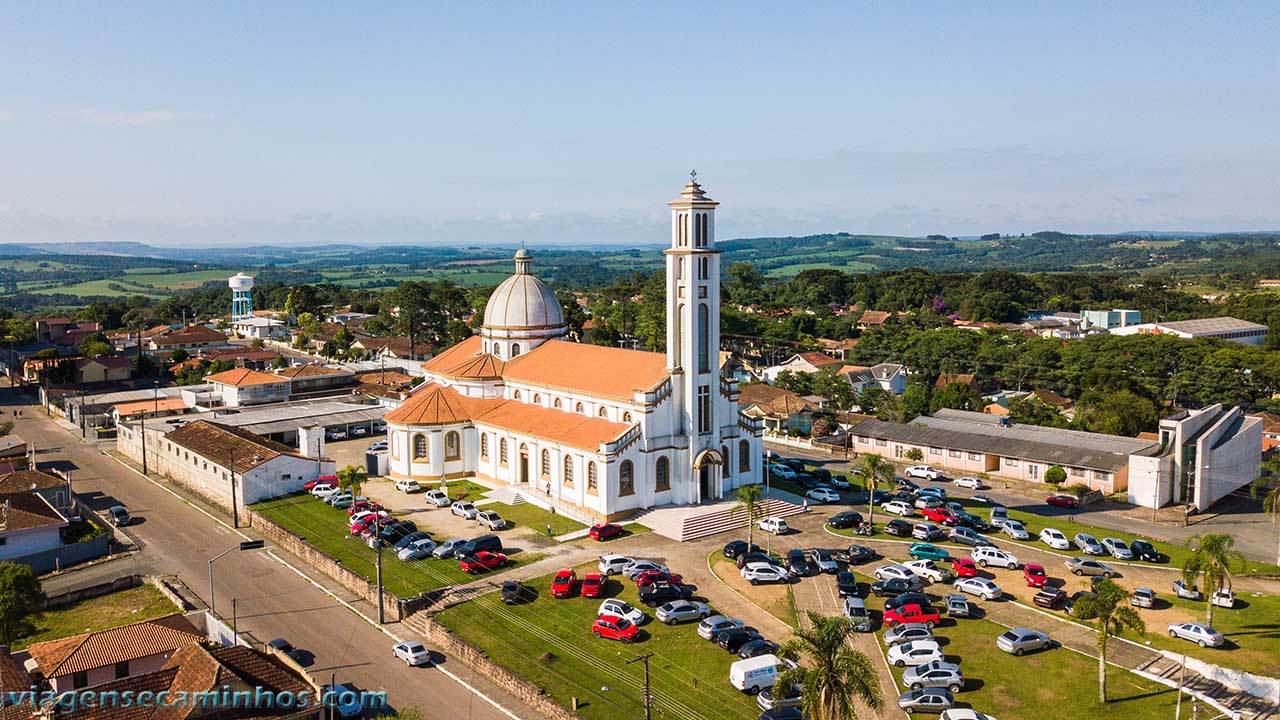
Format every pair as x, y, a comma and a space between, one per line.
1148, 471
1220, 328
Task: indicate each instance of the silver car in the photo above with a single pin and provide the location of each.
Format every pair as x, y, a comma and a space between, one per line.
1020, 640
1088, 566
935, 674
932, 699
1118, 548
491, 520
907, 632
710, 627
966, 536
1198, 633
681, 611
447, 548
463, 509
1088, 544
1015, 530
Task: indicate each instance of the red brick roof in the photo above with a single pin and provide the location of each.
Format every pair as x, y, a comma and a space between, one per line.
221, 443
80, 653
26, 510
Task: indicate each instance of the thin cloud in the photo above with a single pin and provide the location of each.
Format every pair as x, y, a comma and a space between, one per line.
7, 115
138, 118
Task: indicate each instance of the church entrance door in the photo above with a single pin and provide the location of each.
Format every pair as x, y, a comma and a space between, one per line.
524, 464
704, 483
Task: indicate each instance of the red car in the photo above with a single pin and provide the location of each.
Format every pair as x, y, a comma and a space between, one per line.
481, 561
593, 585
653, 577
964, 567
369, 505
563, 584
614, 628
604, 531
911, 614
940, 515
364, 524
1065, 501
1035, 575
322, 479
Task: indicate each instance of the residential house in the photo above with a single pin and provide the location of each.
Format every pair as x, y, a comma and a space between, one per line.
1270, 430
13, 450
242, 386
264, 328
29, 525
55, 489
154, 408
1065, 406
873, 319
93, 658
966, 379
838, 348
346, 316
13, 679
103, 369
805, 362
890, 377
782, 411
61, 331
732, 366
188, 337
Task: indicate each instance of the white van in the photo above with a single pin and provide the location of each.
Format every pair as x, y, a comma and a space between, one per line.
754, 674
775, 525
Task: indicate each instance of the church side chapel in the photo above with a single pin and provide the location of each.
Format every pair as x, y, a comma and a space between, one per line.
603, 431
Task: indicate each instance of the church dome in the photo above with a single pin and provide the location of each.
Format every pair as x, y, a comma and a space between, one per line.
523, 301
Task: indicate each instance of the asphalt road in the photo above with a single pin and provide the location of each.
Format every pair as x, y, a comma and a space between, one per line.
272, 599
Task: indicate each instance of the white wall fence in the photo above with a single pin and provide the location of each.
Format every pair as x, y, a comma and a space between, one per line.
1259, 686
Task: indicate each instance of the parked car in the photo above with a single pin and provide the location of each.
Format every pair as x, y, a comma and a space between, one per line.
914, 597
775, 525
1055, 539
408, 485
933, 700
915, 653
891, 588
927, 570
1198, 633
967, 481
964, 567
395, 530
986, 555
927, 532
855, 609
1143, 597
1015, 530
613, 564
941, 515
755, 674
845, 520
324, 488
773, 698
956, 605
1088, 544
902, 482
653, 577
822, 560
638, 566
1088, 566
927, 501
981, 587
481, 561
412, 652
823, 495
119, 515
898, 507
464, 510
797, 564
1069, 604
436, 497
345, 700
733, 639
966, 536
512, 592
911, 614
899, 527
604, 531
679, 611
447, 548
739, 547
378, 446
612, 627
1224, 598
895, 570
998, 516
856, 554
488, 543
655, 595
923, 472
1022, 640
940, 674
906, 632
564, 583
284, 647
593, 585
754, 557
1187, 593
342, 499
1118, 548
1049, 597
925, 551
411, 538
757, 573
963, 714
782, 471
417, 550
1034, 575
335, 434
491, 519
712, 626
846, 584
757, 647
1146, 552
622, 609
1065, 501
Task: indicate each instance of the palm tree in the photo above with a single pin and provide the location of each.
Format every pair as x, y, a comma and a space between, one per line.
1212, 557
1270, 505
874, 469
351, 478
749, 497
1109, 603
836, 674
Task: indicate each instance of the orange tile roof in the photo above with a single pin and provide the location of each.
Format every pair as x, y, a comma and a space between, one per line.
437, 405
164, 403
390, 376
305, 371
454, 356
28, 480
244, 377
818, 359
87, 651
589, 369
26, 511
221, 443
479, 367
566, 428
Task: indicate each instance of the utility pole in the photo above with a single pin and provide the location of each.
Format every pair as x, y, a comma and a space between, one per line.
233, 618
235, 511
377, 536
648, 696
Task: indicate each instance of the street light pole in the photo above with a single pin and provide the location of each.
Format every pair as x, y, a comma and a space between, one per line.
246, 545
768, 472
377, 536
648, 696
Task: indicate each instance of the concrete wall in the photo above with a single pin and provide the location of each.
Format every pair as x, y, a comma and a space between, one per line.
64, 556
1228, 462
1150, 480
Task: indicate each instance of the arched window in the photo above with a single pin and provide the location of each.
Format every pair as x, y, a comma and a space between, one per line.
537, 399
680, 333
592, 480
559, 405
502, 451
704, 339
484, 445
568, 471
516, 395
515, 349
452, 445
546, 463
662, 475
419, 447
626, 417
626, 478
604, 412
579, 408
724, 458
744, 456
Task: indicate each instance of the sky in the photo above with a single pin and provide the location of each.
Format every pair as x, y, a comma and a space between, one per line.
232, 123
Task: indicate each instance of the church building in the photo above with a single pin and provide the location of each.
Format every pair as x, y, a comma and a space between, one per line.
598, 431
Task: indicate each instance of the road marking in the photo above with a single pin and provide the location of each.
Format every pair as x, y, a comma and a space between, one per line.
498, 706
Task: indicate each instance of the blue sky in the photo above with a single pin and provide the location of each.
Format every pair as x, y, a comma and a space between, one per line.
573, 123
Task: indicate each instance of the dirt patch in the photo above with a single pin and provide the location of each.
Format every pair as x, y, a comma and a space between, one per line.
774, 599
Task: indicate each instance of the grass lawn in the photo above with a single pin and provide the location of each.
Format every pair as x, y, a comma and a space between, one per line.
534, 518
325, 528
549, 642
1252, 629
101, 613
463, 490
775, 599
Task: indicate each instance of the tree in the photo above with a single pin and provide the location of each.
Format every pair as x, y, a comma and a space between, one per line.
874, 470
797, 382
1055, 475
1109, 603
411, 305
351, 478
749, 497
179, 355
957, 396
303, 299
821, 428
1270, 504
20, 598
1213, 555
835, 676
835, 388
914, 455
280, 362
257, 343
6, 427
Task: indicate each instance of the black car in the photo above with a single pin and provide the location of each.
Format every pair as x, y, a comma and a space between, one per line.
971, 521
899, 527
782, 713
283, 647
856, 554
512, 591
756, 557
798, 564
879, 497
752, 648
394, 532
845, 520
821, 473
734, 638
846, 584
659, 593
890, 587
793, 463
737, 548
908, 598
1145, 551
902, 482
1070, 604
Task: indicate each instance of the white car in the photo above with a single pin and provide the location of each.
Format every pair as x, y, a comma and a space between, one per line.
823, 495
341, 499
898, 507
1118, 548
964, 714
967, 481
417, 550
491, 519
923, 471
1198, 633
408, 485
1224, 598
380, 445
1055, 539
926, 569
980, 587
463, 509
917, 652
1088, 544
822, 560
447, 548
782, 471
613, 564
986, 555
412, 652
336, 435
895, 572
1015, 530
762, 572
437, 498
928, 500
635, 568
711, 626
775, 525
324, 489
621, 608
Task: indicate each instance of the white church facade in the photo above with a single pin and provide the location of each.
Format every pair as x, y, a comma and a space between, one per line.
599, 430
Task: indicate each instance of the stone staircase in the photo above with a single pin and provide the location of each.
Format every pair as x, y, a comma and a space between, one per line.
1243, 704
684, 523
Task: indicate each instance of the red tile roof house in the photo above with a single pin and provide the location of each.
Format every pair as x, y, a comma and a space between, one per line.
93, 658
805, 362
29, 525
